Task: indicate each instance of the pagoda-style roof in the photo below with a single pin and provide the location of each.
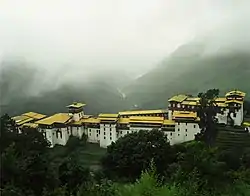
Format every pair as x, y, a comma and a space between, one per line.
236, 93
76, 105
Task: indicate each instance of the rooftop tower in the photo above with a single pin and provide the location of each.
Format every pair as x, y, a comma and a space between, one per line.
76, 110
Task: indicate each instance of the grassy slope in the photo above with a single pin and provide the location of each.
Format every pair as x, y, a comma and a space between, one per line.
89, 155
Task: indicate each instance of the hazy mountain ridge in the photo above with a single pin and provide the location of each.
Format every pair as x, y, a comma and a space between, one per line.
24, 88
19, 81
192, 73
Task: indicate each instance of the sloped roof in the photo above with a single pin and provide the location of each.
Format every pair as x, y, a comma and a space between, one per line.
139, 112
56, 118
34, 115
236, 92
178, 98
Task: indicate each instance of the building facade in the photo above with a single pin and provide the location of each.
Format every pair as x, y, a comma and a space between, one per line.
180, 122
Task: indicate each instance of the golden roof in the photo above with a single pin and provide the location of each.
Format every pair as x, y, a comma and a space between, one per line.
34, 115
236, 93
108, 119
123, 120
184, 114
192, 103
140, 112
76, 105
246, 124
102, 115
168, 122
31, 125
193, 99
234, 101
24, 121
56, 118
222, 105
91, 120
146, 122
76, 122
220, 99
146, 119
87, 116
20, 118
178, 98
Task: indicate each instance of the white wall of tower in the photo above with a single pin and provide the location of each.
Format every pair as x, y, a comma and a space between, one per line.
237, 116
185, 132
93, 135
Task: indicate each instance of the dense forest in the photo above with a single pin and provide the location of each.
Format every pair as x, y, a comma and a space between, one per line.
140, 163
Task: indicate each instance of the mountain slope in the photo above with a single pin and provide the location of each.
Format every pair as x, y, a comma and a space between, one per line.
23, 88
190, 72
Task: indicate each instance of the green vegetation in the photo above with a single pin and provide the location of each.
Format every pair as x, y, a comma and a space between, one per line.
131, 155
88, 155
29, 167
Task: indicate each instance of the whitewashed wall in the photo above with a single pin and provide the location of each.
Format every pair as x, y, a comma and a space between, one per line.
93, 135
185, 132
108, 134
239, 117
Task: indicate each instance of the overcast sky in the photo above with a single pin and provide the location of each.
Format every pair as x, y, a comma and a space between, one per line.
130, 35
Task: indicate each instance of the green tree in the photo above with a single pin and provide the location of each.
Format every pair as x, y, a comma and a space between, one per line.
72, 175
207, 112
8, 132
200, 164
23, 160
247, 107
131, 154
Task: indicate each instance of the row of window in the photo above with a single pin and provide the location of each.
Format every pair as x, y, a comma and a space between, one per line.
182, 106
159, 114
171, 134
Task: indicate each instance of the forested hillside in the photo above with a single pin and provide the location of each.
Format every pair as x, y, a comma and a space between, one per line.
189, 71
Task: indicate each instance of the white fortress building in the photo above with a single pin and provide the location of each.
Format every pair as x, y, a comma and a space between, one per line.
179, 122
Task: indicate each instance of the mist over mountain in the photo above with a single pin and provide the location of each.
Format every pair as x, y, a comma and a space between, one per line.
25, 88
94, 51
189, 71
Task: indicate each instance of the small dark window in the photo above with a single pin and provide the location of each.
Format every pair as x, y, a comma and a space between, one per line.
110, 138
104, 137
104, 133
96, 135
234, 115
178, 129
178, 134
186, 135
194, 126
186, 130
171, 134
